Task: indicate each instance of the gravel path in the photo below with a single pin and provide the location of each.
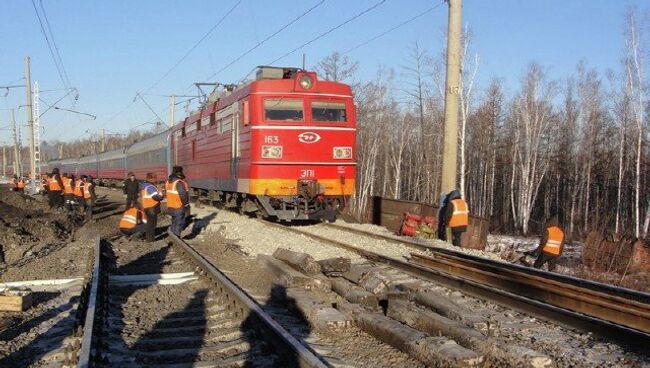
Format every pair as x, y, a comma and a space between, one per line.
236, 257
255, 237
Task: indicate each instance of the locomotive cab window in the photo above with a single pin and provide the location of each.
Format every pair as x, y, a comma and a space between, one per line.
328, 111
282, 109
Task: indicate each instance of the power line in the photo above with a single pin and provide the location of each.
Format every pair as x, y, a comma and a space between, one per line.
329, 31
409, 20
49, 46
194, 46
178, 62
260, 43
56, 48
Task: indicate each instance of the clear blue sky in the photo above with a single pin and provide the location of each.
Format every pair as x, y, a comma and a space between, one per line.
113, 49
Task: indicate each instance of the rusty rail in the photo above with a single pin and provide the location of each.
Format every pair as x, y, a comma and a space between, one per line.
619, 314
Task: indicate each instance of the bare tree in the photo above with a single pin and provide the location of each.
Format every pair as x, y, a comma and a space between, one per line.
636, 89
530, 119
336, 67
468, 74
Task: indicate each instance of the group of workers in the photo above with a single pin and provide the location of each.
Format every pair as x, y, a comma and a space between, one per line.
18, 184
453, 220
142, 215
74, 194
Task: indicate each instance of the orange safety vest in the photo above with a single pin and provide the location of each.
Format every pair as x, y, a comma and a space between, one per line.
460, 216
130, 218
78, 188
87, 186
20, 184
54, 184
67, 185
554, 240
147, 199
173, 198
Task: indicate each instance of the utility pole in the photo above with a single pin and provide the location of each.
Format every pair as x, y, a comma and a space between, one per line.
16, 147
103, 141
30, 124
4, 160
172, 111
452, 89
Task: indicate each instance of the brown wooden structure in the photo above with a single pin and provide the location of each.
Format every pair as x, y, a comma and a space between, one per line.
389, 213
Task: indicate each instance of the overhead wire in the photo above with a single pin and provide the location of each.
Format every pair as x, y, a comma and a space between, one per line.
267, 38
397, 26
176, 64
188, 52
56, 47
59, 68
351, 19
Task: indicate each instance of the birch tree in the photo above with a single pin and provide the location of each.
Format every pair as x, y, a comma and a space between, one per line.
530, 120
636, 89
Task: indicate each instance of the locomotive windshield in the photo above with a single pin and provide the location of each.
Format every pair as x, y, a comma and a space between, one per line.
328, 111
282, 109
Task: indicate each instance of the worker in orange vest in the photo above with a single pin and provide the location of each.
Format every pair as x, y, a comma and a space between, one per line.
178, 171
19, 184
68, 190
78, 194
456, 217
133, 221
88, 196
151, 205
54, 189
551, 244
177, 202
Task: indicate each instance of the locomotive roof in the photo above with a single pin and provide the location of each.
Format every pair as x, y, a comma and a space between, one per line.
274, 86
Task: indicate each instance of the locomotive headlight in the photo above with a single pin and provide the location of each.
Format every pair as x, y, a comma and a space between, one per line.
306, 82
342, 153
271, 151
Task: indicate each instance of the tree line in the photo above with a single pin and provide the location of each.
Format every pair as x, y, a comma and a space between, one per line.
575, 147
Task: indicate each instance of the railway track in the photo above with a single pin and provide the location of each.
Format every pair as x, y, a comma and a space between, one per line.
198, 318
618, 314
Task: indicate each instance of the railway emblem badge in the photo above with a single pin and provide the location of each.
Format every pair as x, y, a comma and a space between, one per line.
308, 137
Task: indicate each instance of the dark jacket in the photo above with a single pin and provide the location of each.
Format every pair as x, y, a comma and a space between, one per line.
449, 210
131, 188
182, 193
543, 238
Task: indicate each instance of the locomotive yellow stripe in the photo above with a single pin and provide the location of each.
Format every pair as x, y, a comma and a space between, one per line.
287, 187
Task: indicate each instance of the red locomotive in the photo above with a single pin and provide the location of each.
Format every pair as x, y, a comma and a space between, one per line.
281, 146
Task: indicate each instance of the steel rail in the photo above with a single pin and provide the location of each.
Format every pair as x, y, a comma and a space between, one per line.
629, 313
622, 294
86, 341
628, 307
633, 338
241, 303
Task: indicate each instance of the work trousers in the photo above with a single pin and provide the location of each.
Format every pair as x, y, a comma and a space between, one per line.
543, 258
88, 209
70, 201
456, 237
131, 201
178, 221
54, 198
152, 223
133, 232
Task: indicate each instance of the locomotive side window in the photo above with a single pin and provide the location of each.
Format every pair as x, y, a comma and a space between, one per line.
328, 111
281, 110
